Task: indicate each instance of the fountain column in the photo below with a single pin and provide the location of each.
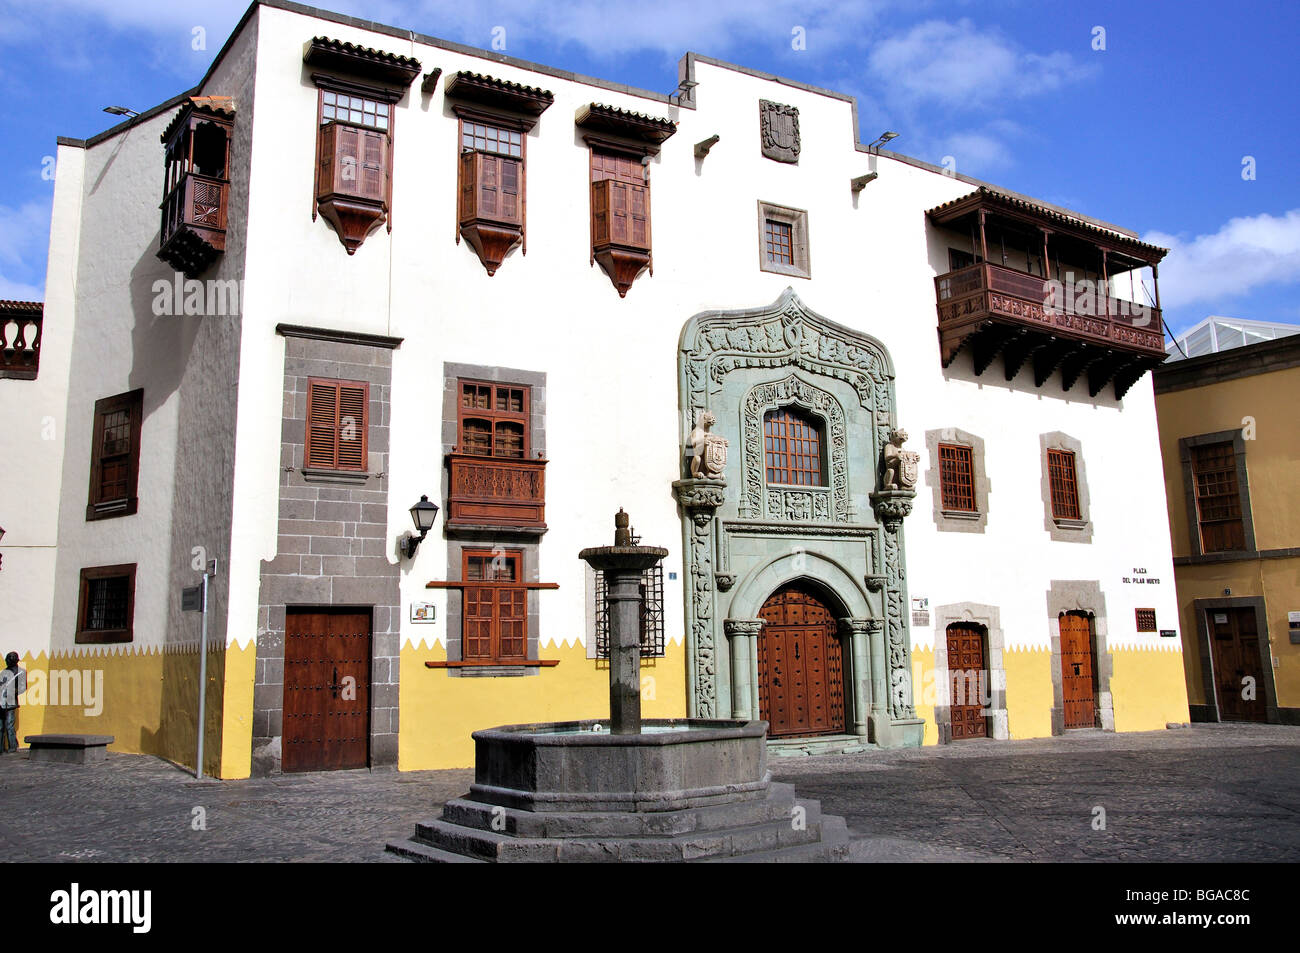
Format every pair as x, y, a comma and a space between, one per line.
623, 565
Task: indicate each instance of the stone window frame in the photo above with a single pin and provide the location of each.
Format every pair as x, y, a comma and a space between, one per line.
1081, 595
797, 219
1210, 710
990, 619
1065, 530
525, 541
958, 521
1185, 445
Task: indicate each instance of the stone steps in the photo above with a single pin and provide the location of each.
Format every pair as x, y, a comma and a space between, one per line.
833, 744
756, 830
467, 812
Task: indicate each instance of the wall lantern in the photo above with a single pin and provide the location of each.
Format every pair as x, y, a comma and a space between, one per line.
422, 515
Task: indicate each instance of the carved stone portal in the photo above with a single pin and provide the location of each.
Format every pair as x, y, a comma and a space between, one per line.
745, 538
780, 127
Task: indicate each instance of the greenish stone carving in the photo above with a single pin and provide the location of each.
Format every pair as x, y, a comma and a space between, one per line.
743, 538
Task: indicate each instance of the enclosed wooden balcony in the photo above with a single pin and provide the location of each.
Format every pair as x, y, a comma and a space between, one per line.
196, 188
495, 492
20, 339
1058, 309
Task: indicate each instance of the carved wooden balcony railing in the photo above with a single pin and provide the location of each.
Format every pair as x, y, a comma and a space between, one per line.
194, 222
504, 492
20, 339
994, 311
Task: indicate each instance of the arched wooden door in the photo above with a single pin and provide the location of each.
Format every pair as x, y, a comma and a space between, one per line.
800, 665
967, 681
1078, 684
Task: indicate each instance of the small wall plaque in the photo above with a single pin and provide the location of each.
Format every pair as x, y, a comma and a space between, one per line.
1168, 633
423, 611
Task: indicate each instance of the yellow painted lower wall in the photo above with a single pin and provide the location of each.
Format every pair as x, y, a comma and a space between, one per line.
237, 712
1029, 691
1148, 689
146, 698
439, 710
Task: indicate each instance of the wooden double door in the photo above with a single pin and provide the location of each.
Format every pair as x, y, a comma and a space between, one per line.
1078, 671
967, 681
326, 689
1234, 642
800, 665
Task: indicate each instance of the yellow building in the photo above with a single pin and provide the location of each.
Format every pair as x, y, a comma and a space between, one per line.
1230, 444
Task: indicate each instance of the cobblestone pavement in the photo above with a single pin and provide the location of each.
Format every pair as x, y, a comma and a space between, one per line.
1206, 793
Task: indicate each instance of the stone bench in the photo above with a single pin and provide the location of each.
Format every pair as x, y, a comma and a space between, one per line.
69, 749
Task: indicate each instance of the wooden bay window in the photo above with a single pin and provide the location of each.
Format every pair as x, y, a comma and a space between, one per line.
622, 144
354, 142
196, 184
495, 117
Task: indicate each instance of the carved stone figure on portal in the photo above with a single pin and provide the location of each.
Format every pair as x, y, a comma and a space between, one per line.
901, 466
709, 450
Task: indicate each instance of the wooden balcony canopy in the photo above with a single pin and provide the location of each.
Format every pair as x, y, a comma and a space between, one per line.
482, 90
388, 69
648, 131
1059, 309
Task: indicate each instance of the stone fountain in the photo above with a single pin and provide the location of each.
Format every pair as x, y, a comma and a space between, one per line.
626, 788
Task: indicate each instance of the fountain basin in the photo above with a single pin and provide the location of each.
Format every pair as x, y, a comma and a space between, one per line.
675, 763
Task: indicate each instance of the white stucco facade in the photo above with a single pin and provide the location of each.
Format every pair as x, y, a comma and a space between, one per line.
213, 457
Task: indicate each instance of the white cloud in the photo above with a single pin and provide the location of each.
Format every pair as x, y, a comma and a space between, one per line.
24, 235
19, 291
959, 64
1240, 257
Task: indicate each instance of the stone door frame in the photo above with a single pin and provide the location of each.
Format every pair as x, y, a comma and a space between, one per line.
1085, 596
989, 618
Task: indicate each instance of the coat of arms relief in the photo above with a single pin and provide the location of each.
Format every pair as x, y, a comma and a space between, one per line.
780, 128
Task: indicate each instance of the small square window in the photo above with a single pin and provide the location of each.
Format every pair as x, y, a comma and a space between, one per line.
783, 240
106, 605
1146, 620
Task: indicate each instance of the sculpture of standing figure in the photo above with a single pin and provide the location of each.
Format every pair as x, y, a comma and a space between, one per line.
709, 450
902, 467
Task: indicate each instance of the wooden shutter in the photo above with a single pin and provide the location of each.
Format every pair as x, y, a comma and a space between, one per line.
337, 425
620, 214
489, 188
373, 169
353, 161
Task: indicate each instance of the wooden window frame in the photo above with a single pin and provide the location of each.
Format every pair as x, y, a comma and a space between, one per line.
98, 507
797, 219
817, 425
1231, 493
1066, 504
515, 588
310, 464
1145, 620
88, 636
957, 478
493, 416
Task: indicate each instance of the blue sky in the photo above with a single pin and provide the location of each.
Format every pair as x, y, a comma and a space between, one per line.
1150, 132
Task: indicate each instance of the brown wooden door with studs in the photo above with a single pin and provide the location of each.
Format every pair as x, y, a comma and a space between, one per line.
967, 681
326, 689
1078, 687
800, 666
1234, 635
